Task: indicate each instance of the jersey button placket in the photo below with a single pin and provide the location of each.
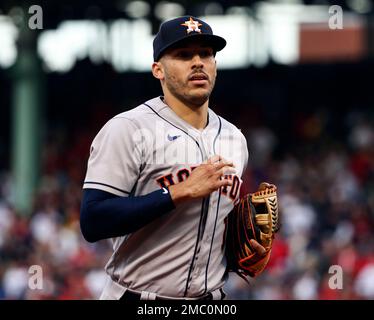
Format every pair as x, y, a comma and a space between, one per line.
197, 267
194, 269
196, 274
205, 142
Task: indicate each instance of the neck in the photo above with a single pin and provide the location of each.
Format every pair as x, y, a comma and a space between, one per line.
195, 115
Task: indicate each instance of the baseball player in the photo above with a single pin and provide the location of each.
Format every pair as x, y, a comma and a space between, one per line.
162, 178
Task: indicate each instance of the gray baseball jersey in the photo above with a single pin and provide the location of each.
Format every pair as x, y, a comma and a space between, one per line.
180, 254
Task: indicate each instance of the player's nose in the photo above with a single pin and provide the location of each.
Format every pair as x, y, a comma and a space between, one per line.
197, 62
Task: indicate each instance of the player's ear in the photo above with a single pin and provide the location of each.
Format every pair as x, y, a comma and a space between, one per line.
157, 70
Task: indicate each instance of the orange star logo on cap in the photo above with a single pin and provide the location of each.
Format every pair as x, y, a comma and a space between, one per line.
192, 25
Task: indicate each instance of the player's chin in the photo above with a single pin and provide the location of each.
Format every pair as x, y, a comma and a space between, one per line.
199, 97
203, 91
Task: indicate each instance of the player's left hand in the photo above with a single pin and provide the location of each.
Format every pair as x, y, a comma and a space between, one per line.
258, 248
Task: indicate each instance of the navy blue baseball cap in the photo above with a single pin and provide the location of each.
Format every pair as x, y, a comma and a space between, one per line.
186, 28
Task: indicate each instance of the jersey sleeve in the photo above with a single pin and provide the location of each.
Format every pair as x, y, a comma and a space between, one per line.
115, 158
244, 152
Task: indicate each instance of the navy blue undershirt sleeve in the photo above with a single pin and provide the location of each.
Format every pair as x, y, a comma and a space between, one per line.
105, 215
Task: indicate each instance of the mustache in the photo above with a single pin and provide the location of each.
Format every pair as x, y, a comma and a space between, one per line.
198, 73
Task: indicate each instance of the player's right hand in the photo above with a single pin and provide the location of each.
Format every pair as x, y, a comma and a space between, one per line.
204, 179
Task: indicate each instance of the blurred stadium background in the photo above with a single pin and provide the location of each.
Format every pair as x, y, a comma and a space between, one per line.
300, 90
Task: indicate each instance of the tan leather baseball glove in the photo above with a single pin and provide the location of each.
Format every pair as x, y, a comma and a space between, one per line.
251, 230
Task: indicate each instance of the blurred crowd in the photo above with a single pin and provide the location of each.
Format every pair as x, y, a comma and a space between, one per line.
325, 249
50, 237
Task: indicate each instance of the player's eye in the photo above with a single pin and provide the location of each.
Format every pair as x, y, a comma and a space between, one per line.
206, 53
189, 54
184, 54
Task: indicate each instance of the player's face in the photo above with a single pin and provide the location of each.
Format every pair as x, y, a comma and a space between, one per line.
190, 73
